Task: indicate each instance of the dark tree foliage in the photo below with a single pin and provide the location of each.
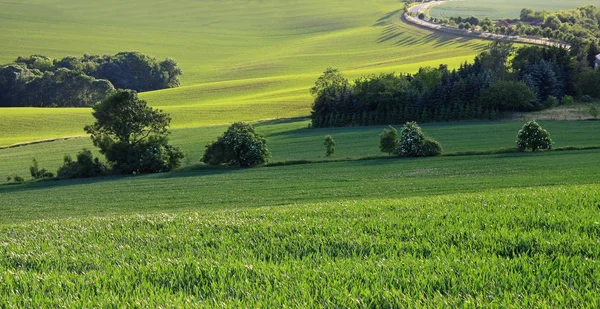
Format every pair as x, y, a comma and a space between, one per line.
132, 135
85, 166
41, 81
329, 146
388, 140
136, 71
536, 78
239, 146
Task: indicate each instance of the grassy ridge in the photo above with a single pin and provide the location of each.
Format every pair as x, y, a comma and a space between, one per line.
243, 60
503, 248
290, 140
502, 9
239, 188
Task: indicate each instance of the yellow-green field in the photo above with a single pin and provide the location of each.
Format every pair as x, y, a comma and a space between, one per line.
503, 9
242, 60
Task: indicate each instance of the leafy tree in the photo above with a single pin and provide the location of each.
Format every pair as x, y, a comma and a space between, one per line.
239, 146
431, 147
509, 96
86, 166
132, 135
332, 94
593, 111
38, 173
388, 140
496, 58
533, 136
329, 146
413, 142
542, 79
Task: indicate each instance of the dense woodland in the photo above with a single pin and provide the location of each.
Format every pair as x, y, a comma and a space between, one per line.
42, 82
501, 79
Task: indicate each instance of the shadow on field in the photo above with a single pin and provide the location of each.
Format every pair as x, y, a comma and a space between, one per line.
189, 171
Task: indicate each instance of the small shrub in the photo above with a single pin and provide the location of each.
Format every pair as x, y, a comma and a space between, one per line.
567, 100
593, 111
431, 148
38, 173
329, 146
413, 142
533, 136
586, 98
239, 146
551, 101
86, 166
388, 140
18, 179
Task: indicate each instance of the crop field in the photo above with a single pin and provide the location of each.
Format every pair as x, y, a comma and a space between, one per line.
242, 60
290, 140
480, 226
216, 188
502, 9
510, 248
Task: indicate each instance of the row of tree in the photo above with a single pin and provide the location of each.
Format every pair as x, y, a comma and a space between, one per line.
579, 27
43, 82
133, 137
535, 78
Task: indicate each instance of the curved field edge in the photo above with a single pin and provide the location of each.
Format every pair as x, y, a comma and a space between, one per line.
502, 248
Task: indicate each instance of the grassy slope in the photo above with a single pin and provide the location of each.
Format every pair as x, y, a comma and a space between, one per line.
241, 188
290, 140
503, 9
504, 248
243, 60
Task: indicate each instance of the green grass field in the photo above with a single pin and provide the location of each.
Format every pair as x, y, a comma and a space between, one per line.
243, 60
217, 188
291, 140
497, 230
504, 248
502, 9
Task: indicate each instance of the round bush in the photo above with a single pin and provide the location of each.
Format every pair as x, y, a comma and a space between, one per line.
239, 146
533, 136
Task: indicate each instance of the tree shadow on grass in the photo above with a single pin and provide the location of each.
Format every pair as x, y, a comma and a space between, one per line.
188, 171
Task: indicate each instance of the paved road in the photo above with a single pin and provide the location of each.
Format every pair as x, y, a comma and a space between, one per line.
418, 8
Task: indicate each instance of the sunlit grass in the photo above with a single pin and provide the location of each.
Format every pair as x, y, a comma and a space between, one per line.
243, 60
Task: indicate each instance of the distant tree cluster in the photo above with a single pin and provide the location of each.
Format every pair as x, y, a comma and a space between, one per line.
581, 24
410, 143
536, 78
43, 82
578, 27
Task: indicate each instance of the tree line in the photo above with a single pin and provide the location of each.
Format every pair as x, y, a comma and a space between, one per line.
579, 27
40, 81
500, 79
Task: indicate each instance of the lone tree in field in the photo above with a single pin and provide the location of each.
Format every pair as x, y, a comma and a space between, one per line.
329, 146
239, 146
533, 136
388, 140
132, 135
413, 143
